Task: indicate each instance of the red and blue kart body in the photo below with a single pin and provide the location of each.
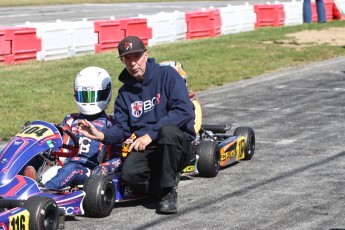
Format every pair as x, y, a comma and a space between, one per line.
36, 139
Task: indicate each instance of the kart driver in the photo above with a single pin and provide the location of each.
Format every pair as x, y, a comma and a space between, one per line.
93, 91
153, 106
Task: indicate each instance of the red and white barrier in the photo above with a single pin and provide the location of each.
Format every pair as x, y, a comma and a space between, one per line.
18, 44
47, 41
166, 27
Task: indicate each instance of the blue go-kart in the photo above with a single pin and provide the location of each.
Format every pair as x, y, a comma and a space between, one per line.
24, 202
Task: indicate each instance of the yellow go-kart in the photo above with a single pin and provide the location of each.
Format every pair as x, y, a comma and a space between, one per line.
215, 148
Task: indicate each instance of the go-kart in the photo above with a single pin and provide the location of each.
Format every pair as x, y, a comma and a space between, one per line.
215, 148
24, 202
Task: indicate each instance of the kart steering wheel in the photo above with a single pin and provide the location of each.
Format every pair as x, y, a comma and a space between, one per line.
72, 149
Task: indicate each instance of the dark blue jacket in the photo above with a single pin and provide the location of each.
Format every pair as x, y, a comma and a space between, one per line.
144, 107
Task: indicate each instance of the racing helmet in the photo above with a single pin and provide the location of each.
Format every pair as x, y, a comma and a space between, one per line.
92, 90
178, 67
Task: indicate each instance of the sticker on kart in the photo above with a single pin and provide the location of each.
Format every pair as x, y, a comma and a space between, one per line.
19, 221
37, 132
15, 219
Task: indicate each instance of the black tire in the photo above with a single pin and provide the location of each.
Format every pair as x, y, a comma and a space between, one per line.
249, 146
44, 213
100, 196
209, 159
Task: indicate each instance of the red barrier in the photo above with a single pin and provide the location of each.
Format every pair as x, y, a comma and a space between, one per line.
18, 44
111, 32
203, 23
137, 27
269, 15
337, 15
328, 7
5, 46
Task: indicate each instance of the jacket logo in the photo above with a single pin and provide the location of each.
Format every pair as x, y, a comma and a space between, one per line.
137, 108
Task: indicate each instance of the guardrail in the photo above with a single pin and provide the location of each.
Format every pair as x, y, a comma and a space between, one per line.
63, 39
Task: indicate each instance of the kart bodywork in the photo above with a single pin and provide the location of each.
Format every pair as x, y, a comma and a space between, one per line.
39, 138
215, 148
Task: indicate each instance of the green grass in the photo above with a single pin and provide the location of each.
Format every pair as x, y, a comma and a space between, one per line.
44, 90
57, 2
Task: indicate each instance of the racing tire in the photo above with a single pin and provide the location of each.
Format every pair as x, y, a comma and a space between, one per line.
249, 146
209, 158
44, 213
100, 196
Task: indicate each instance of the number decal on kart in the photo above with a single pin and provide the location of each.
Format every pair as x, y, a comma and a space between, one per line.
19, 221
36, 132
240, 148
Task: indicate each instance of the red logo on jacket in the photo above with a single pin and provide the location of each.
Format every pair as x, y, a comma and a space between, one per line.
137, 108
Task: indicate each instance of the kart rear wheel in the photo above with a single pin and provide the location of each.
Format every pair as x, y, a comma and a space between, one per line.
100, 196
44, 213
209, 158
249, 146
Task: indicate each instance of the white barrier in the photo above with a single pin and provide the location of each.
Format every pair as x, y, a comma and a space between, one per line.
82, 37
64, 39
293, 12
341, 6
230, 16
247, 17
166, 27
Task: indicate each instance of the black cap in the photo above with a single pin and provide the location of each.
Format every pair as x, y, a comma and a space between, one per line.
131, 44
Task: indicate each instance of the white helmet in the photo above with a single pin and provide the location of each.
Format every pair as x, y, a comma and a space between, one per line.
93, 90
178, 67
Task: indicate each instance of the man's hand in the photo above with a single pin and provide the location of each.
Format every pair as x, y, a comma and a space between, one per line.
89, 130
140, 143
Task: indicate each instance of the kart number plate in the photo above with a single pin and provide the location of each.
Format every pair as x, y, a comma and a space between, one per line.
36, 132
19, 221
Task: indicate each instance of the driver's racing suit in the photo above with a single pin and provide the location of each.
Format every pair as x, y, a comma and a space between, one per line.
77, 169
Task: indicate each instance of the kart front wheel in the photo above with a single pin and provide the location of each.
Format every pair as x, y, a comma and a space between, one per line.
249, 146
100, 196
44, 213
209, 159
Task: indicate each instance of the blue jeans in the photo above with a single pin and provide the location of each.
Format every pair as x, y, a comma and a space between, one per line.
307, 12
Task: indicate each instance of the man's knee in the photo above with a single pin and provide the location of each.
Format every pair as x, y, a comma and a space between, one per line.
169, 134
131, 174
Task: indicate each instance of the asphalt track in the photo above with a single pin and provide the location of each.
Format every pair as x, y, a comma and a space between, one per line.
295, 179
